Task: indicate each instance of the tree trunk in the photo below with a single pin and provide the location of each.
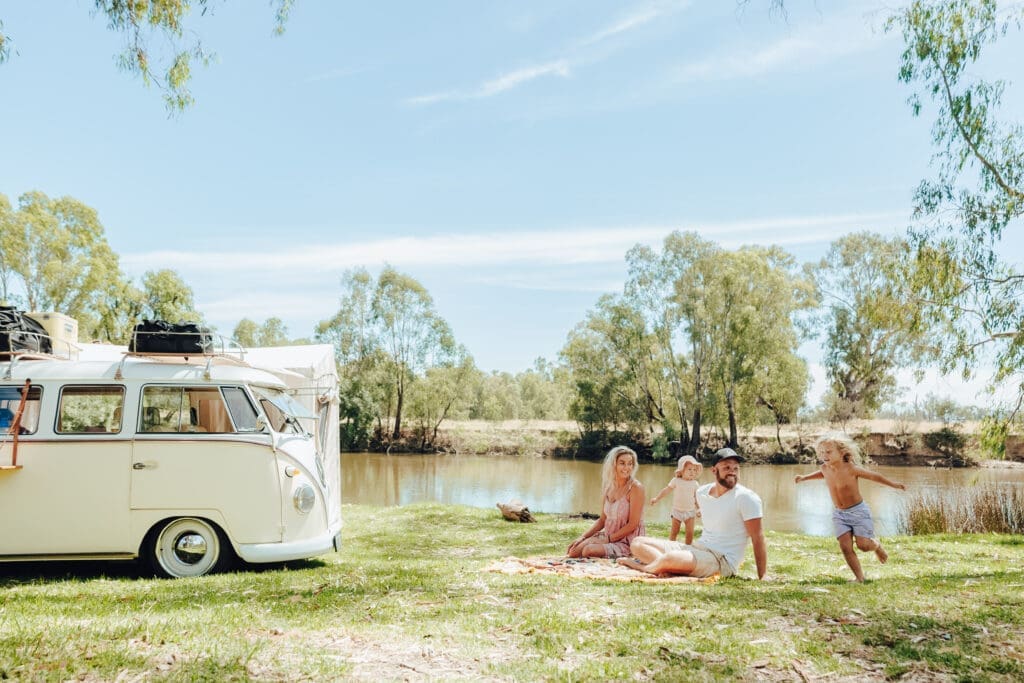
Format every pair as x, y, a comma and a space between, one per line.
733, 436
398, 417
695, 435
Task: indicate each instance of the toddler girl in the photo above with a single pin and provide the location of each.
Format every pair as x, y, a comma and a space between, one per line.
684, 497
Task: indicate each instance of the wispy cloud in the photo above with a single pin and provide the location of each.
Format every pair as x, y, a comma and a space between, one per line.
521, 76
574, 56
561, 266
554, 247
500, 84
630, 22
809, 46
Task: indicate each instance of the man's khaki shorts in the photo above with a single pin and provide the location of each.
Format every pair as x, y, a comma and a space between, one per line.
709, 562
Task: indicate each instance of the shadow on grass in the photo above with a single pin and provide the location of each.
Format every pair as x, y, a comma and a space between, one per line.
59, 571
21, 573
264, 567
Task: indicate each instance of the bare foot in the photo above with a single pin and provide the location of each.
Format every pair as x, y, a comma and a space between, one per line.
632, 563
880, 552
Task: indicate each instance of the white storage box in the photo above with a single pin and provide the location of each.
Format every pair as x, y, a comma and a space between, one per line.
63, 331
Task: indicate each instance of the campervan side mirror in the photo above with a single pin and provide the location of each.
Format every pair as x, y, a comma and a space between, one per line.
261, 424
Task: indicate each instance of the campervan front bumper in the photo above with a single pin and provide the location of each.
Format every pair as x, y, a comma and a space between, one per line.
295, 550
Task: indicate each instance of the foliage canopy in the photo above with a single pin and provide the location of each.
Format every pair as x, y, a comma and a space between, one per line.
145, 25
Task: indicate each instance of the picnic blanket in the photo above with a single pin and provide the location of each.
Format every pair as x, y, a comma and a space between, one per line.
586, 568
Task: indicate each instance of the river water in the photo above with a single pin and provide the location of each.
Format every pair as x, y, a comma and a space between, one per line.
571, 486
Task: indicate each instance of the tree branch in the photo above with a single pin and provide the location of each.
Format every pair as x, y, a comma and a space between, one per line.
989, 166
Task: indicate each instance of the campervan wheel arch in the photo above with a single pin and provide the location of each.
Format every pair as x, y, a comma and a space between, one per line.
181, 547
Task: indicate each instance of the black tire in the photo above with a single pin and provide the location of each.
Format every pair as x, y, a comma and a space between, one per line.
186, 546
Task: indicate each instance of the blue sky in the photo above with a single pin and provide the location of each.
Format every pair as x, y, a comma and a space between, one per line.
504, 154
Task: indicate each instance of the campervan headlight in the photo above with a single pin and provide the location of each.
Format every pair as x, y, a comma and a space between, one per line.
304, 497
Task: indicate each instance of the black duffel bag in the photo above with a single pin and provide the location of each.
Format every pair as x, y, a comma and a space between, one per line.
160, 336
193, 338
20, 333
152, 336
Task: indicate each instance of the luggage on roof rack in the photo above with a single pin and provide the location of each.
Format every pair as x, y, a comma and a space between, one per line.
160, 336
20, 333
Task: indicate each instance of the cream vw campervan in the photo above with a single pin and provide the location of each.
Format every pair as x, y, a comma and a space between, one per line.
184, 462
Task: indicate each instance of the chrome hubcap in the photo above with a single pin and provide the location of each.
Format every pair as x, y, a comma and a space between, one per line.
190, 548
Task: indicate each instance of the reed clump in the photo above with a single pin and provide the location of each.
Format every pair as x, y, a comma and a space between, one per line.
987, 508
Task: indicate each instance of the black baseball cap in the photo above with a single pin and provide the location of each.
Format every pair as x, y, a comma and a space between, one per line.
726, 454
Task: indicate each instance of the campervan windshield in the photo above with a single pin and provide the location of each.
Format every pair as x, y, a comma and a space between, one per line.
283, 410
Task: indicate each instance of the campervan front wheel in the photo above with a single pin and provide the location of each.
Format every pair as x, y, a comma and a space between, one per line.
187, 546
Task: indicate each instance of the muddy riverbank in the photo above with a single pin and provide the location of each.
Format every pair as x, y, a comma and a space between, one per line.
886, 442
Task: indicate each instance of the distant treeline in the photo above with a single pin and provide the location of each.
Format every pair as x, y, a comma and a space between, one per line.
699, 336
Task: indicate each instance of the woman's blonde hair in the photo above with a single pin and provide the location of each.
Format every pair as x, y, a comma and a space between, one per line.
608, 469
844, 444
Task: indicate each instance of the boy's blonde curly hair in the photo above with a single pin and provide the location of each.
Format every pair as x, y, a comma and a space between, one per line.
844, 444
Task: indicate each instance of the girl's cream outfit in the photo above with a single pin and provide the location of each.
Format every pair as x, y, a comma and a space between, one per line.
684, 498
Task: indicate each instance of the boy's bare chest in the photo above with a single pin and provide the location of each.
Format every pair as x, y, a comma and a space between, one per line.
839, 477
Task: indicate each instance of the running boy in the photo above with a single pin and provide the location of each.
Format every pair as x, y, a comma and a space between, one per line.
851, 517
684, 497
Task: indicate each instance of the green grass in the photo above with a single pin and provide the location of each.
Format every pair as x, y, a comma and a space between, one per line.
408, 599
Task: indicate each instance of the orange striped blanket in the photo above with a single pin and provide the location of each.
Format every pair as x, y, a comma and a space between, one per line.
586, 568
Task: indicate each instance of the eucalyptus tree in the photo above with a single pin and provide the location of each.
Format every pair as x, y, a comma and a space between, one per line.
969, 298
118, 310
273, 332
780, 387
495, 396
869, 316
352, 330
660, 286
363, 390
387, 334
544, 391
617, 369
442, 393
55, 253
165, 24
412, 335
166, 296
246, 332
694, 298
755, 294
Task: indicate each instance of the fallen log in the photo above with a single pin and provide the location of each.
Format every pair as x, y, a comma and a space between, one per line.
515, 511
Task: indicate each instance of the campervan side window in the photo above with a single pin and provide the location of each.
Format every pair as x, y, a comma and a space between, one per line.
184, 409
90, 410
10, 399
161, 409
241, 408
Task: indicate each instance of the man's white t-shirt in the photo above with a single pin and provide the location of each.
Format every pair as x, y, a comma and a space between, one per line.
724, 531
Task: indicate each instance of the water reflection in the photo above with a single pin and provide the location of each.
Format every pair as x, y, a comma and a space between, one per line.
567, 486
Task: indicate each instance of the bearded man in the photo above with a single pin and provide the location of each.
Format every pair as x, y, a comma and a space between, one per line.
731, 514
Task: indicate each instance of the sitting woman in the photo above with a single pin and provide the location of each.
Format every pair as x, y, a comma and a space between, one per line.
622, 509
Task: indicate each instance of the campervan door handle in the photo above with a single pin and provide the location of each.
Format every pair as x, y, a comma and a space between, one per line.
142, 465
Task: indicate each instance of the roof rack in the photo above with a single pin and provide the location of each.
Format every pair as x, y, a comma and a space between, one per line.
199, 341
206, 347
60, 349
